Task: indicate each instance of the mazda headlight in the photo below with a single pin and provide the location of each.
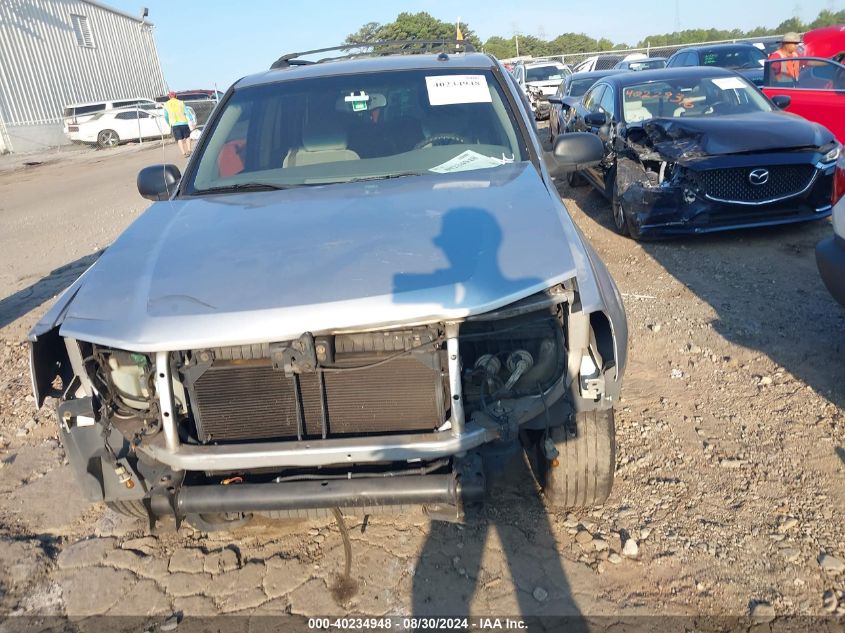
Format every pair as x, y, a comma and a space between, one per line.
832, 155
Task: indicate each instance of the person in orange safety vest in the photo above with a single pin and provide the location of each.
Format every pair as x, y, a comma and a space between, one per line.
788, 70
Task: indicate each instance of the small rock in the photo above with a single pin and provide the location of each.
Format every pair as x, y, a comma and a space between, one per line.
540, 594
583, 537
829, 601
170, 623
29, 397
655, 327
765, 381
631, 549
790, 554
788, 524
21, 431
600, 545
30, 424
644, 534
677, 373
831, 564
614, 558
762, 612
731, 463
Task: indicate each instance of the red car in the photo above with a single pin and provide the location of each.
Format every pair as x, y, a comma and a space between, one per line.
814, 85
816, 91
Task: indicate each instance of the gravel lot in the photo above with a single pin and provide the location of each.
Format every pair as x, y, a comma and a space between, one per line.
730, 481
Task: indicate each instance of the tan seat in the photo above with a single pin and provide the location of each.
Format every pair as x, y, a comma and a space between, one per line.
320, 146
635, 112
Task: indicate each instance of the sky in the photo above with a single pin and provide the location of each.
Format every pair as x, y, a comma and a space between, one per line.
215, 42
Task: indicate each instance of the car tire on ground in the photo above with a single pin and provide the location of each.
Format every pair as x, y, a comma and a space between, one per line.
131, 508
620, 220
107, 138
586, 462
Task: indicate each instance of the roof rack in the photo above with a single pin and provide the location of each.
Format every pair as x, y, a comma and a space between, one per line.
379, 48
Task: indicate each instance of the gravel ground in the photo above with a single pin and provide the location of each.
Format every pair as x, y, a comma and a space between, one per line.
730, 479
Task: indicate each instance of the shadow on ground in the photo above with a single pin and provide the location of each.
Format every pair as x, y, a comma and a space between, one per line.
504, 560
765, 288
23, 301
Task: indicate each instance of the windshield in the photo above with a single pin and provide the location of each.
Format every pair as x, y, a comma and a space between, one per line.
361, 126
704, 96
545, 73
579, 87
649, 64
739, 57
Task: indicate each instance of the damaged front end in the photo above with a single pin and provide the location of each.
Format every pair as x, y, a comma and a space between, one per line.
670, 181
365, 420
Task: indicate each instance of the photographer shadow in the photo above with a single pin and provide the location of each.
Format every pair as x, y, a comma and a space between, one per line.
504, 559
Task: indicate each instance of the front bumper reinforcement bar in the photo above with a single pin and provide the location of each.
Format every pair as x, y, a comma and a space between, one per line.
310, 454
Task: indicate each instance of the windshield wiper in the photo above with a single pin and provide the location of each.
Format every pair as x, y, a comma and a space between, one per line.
243, 186
384, 177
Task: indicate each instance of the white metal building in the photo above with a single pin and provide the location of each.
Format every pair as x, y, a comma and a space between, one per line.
57, 52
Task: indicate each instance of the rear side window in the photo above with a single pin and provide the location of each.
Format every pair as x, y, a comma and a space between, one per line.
88, 109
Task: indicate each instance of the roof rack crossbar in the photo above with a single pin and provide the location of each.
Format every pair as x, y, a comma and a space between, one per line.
292, 59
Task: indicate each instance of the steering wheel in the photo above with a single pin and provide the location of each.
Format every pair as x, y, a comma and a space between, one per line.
435, 140
710, 109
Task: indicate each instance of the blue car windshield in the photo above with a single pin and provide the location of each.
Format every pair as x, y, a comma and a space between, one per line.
359, 126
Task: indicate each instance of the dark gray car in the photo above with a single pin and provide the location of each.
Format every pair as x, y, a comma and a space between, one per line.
363, 289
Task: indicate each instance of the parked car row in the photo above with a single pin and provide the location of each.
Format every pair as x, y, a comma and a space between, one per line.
696, 150
110, 122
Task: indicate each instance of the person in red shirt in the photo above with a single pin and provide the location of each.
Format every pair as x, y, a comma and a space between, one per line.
788, 70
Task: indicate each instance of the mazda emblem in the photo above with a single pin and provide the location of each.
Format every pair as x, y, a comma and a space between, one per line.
758, 177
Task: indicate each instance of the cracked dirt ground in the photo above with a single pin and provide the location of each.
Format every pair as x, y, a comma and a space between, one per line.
730, 474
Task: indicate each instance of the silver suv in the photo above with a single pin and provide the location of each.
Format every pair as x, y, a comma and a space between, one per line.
363, 289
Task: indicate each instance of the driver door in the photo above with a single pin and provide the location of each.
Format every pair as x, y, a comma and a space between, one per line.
817, 93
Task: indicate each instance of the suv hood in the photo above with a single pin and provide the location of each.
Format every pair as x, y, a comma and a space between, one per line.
255, 267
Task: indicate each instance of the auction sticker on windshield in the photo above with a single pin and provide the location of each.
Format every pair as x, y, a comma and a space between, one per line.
453, 89
728, 83
469, 160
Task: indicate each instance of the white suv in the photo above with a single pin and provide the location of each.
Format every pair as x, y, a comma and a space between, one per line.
539, 79
76, 113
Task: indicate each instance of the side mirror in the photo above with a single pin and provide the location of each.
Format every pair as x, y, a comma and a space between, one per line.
158, 182
554, 99
576, 150
596, 119
782, 101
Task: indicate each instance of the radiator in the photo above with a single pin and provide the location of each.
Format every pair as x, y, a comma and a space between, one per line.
247, 400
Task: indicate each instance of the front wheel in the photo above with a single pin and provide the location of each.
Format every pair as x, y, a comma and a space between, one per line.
582, 474
620, 221
108, 138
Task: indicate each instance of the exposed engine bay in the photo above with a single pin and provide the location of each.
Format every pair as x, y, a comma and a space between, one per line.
504, 371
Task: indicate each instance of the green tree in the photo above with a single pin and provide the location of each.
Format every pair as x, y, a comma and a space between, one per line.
792, 24
827, 18
500, 47
412, 26
573, 43
367, 33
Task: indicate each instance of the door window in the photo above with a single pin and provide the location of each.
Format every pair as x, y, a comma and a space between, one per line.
593, 98
606, 102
